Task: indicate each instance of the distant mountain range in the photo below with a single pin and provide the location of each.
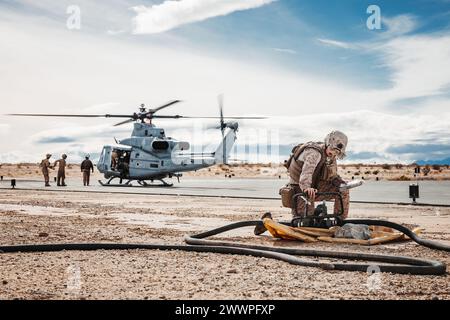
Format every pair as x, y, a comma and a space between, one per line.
440, 162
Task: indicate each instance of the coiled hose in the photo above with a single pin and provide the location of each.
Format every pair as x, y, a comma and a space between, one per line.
198, 243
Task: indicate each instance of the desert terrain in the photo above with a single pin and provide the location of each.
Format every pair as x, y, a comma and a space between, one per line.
390, 172
72, 217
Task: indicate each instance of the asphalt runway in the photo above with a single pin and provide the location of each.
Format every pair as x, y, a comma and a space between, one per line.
431, 192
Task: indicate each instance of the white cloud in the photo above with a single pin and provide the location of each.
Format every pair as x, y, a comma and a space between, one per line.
115, 32
368, 132
335, 43
399, 25
4, 129
67, 77
171, 14
420, 65
284, 50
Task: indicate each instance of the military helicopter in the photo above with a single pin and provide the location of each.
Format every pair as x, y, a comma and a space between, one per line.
148, 155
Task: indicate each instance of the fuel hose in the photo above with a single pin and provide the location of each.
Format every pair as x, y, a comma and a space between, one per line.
199, 243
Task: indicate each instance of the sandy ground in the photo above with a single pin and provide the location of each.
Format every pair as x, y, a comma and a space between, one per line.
368, 172
58, 217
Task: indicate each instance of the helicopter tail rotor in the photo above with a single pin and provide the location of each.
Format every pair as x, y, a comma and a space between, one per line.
222, 127
227, 140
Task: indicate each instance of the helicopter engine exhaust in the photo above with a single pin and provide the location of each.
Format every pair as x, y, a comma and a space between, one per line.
160, 145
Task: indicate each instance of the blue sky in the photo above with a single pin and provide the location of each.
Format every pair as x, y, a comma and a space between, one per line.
314, 66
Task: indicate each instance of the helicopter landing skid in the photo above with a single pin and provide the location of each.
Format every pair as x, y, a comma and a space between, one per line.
120, 184
142, 183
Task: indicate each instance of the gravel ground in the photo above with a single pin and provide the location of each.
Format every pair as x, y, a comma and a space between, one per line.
52, 217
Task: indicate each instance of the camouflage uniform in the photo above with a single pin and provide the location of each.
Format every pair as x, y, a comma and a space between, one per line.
313, 169
86, 167
114, 159
45, 165
61, 171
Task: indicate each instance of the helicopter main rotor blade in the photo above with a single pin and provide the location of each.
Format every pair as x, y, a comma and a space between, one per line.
124, 122
188, 117
164, 106
70, 115
119, 116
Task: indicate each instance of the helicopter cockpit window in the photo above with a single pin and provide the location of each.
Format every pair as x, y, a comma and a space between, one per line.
102, 156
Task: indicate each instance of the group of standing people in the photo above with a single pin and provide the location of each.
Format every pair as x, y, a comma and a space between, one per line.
86, 168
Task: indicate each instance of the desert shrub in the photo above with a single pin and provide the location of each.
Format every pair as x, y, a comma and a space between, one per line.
436, 167
357, 173
375, 172
386, 166
404, 178
367, 172
398, 166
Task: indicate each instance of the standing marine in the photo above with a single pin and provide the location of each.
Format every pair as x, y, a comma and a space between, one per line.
45, 165
61, 177
86, 167
313, 168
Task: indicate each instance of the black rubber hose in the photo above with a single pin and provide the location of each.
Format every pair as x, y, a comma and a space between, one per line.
198, 244
404, 265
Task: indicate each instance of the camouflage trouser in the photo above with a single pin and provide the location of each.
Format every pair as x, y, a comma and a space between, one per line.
325, 186
46, 177
86, 176
61, 178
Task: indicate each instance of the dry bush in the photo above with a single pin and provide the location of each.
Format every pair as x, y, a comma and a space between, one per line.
386, 166
375, 172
